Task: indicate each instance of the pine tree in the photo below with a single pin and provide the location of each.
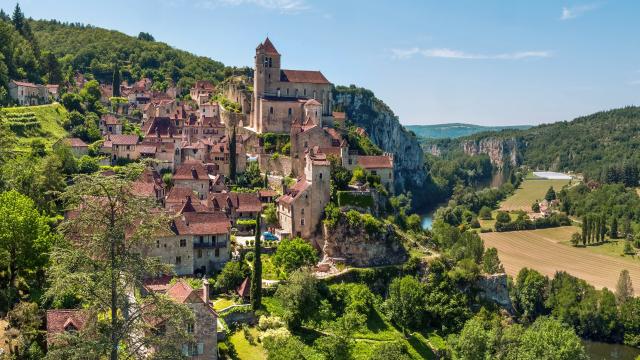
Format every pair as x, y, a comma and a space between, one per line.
624, 287
256, 278
4, 16
18, 19
613, 233
116, 80
551, 194
232, 155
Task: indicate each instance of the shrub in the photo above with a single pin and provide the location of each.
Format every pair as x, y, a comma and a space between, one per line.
250, 256
349, 198
270, 322
503, 217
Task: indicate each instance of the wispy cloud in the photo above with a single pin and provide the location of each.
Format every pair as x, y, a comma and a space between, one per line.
572, 12
285, 6
457, 54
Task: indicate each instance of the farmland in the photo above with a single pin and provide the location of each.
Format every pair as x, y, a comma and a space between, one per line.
35, 122
547, 251
529, 191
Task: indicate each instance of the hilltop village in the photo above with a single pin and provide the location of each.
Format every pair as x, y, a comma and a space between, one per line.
218, 158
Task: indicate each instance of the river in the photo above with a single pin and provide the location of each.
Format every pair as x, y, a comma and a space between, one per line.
603, 351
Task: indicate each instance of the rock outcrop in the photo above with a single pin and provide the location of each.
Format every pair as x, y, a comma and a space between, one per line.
502, 152
356, 247
494, 288
384, 130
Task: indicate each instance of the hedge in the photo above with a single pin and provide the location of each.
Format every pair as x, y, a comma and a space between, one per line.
348, 198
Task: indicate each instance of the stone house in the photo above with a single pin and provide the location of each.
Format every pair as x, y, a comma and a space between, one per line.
301, 207
199, 242
204, 327
110, 124
121, 147
150, 184
78, 147
26, 93
279, 95
64, 320
236, 205
202, 91
193, 175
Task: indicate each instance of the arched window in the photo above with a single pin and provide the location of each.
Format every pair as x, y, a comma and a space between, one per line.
320, 176
289, 112
271, 110
304, 92
314, 94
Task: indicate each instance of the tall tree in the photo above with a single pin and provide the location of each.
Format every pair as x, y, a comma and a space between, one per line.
232, 155
18, 19
624, 287
115, 80
102, 261
613, 232
25, 238
405, 303
256, 278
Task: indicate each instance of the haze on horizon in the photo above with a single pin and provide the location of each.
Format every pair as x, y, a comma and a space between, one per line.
487, 63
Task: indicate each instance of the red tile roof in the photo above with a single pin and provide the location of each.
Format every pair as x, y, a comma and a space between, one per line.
295, 191
147, 149
241, 202
123, 139
312, 102
178, 194
159, 284
267, 193
22, 83
339, 115
162, 126
110, 119
268, 47
76, 142
204, 85
303, 76
202, 223
59, 321
244, 289
375, 162
182, 293
191, 170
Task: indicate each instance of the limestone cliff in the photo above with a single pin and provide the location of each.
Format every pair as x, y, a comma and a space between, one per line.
384, 130
360, 248
494, 288
502, 152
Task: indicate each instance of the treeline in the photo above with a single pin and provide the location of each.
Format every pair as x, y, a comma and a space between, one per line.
600, 315
522, 222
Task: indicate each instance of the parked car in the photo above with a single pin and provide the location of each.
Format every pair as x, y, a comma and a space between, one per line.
268, 236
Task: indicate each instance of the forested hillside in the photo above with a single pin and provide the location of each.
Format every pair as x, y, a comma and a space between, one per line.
598, 145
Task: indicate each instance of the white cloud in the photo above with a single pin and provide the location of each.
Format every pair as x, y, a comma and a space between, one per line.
285, 6
573, 12
446, 53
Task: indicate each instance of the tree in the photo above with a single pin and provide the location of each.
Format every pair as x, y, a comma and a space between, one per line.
548, 338
473, 341
23, 332
535, 207
72, 102
18, 19
485, 213
231, 276
405, 302
338, 345
550, 195
628, 249
293, 254
256, 278
613, 232
271, 214
530, 289
624, 287
102, 260
145, 36
631, 321
232, 155
91, 92
390, 350
299, 296
503, 217
115, 80
576, 238
51, 68
491, 262
25, 239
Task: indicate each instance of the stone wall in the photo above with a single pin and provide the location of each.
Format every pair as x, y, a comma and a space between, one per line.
280, 166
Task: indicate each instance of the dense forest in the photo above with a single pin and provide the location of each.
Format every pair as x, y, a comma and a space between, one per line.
600, 145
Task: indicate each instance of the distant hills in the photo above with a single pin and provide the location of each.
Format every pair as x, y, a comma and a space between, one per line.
455, 130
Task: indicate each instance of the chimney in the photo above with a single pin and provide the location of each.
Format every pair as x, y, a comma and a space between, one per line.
205, 290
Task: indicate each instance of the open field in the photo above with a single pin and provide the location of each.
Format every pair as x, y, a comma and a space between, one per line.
547, 251
529, 191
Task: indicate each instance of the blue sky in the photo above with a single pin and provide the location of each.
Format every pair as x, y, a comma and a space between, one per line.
486, 62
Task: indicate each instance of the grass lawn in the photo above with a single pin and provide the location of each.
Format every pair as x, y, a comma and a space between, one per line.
272, 305
529, 191
244, 349
50, 117
222, 302
491, 224
269, 270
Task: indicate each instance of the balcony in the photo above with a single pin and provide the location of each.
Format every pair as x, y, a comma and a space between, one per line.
208, 245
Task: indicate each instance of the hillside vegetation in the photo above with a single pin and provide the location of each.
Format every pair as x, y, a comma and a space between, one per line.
455, 130
29, 123
592, 144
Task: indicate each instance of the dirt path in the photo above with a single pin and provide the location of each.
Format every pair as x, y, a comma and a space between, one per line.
541, 250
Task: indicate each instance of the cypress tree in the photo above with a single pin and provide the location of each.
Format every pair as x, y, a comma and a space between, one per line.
613, 233
603, 228
232, 155
585, 230
256, 278
116, 80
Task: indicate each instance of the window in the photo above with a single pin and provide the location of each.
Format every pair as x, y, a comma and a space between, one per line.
349, 161
183, 242
178, 260
287, 92
217, 252
374, 172
320, 176
314, 94
201, 239
157, 243
270, 62
199, 254
190, 328
302, 221
304, 92
289, 112
302, 211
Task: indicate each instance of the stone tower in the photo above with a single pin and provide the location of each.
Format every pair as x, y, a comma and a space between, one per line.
266, 72
313, 112
318, 173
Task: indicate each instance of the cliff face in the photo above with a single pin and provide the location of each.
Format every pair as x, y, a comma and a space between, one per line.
502, 152
360, 249
384, 130
494, 288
